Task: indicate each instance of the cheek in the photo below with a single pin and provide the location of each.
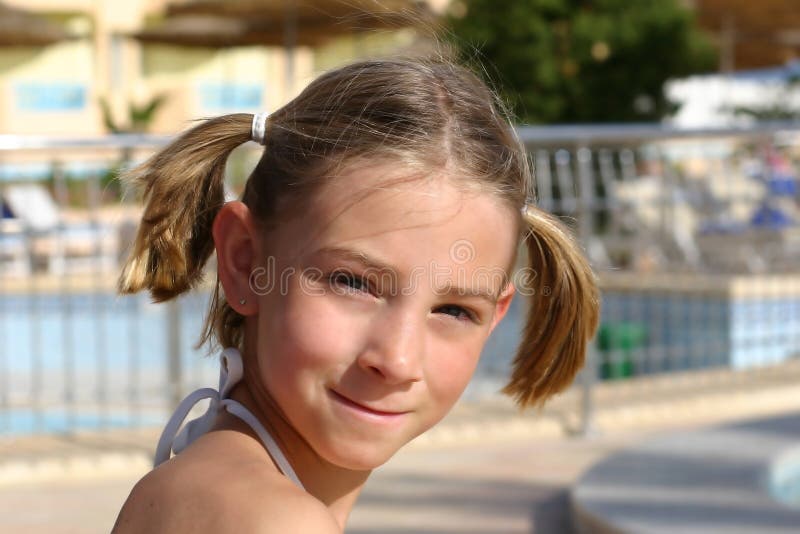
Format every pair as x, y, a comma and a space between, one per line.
306, 334
449, 369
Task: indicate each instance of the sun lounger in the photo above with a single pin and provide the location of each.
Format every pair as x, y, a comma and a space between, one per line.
14, 254
57, 245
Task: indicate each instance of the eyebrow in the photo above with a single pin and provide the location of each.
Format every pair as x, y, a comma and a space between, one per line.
357, 256
483, 294
370, 262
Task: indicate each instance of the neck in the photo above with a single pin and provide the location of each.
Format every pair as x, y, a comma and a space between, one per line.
336, 487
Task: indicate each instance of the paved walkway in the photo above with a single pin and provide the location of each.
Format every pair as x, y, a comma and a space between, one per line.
485, 469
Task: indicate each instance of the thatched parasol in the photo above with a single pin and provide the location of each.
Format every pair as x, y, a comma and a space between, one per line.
287, 23
304, 8
204, 31
22, 28
210, 23
752, 34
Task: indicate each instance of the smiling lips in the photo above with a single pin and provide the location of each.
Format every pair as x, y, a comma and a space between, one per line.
355, 406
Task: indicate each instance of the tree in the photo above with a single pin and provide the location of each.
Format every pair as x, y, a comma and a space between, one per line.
582, 60
140, 116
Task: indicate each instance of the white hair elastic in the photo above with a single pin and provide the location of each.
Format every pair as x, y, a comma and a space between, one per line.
258, 131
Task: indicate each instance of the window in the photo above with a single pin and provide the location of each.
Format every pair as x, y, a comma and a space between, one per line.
47, 97
228, 96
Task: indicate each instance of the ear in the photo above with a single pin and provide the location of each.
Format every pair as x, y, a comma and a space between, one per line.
236, 242
502, 305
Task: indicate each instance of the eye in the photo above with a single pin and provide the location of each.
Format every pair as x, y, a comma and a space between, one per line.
457, 312
349, 282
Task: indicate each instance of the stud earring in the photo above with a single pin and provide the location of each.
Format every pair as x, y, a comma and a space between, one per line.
242, 301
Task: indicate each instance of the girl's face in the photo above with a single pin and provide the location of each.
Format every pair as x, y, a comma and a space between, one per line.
374, 307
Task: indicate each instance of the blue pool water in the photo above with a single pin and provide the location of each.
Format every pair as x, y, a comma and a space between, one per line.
785, 479
26, 421
86, 347
98, 347
88, 350
88, 330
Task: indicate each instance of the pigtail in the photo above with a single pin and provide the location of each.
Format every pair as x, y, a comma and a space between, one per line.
563, 313
183, 190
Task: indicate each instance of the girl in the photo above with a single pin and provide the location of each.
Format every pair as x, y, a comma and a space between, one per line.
358, 278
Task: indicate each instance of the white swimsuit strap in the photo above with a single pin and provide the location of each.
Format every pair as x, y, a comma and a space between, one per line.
269, 442
170, 440
230, 372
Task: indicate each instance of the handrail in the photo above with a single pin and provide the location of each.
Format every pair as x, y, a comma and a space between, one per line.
593, 133
529, 134
115, 141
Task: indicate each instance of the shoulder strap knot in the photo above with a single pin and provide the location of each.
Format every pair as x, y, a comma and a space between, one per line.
230, 372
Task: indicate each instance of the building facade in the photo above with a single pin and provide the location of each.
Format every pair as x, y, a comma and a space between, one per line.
104, 79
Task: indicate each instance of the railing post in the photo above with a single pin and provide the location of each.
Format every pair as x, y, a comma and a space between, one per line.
174, 368
588, 378
586, 208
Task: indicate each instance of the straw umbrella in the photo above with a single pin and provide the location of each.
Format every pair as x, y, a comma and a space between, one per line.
23, 28
279, 22
752, 34
313, 17
287, 23
208, 31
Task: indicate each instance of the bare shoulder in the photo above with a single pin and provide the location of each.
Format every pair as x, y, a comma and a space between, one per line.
272, 504
280, 512
143, 507
199, 493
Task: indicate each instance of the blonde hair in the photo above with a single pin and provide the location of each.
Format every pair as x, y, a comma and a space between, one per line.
430, 114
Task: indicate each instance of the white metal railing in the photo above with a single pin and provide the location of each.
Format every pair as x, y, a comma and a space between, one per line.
683, 227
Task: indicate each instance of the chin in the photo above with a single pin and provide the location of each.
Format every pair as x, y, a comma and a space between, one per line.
359, 456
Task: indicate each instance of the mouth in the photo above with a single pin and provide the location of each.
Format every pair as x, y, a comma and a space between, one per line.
364, 410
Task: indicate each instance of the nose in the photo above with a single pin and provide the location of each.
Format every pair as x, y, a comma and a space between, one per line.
395, 348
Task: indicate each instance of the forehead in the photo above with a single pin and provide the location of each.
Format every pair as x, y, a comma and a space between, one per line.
389, 187
406, 216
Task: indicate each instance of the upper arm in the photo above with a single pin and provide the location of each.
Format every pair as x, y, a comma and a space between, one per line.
163, 501
175, 499
283, 512
141, 509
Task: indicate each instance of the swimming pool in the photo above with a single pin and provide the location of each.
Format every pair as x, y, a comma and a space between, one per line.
19, 421
101, 349
785, 478
90, 338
